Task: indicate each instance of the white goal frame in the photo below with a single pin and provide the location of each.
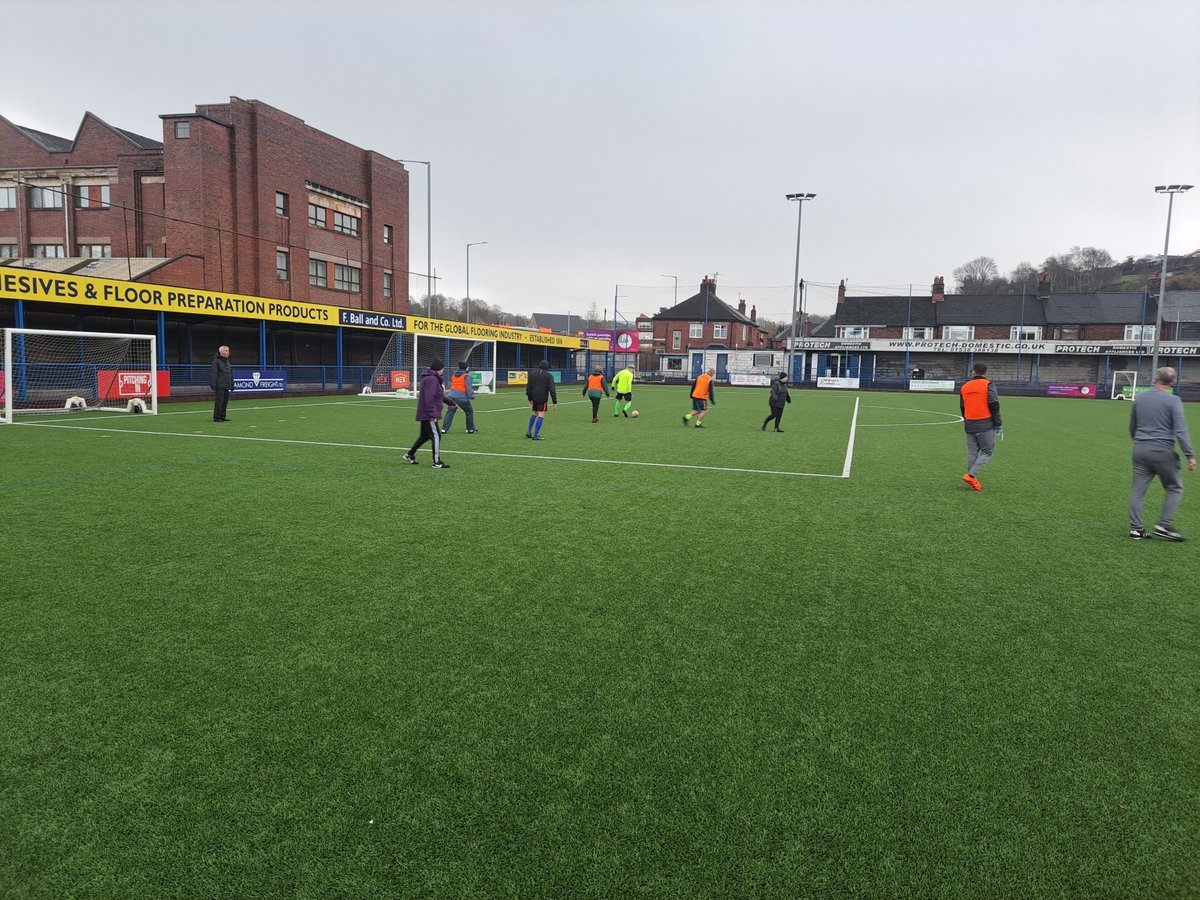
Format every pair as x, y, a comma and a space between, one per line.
1119, 384
427, 347
16, 374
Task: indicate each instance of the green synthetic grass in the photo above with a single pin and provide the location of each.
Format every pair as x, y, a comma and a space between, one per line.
256, 668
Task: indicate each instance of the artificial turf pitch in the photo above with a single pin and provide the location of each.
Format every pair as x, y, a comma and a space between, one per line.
267, 658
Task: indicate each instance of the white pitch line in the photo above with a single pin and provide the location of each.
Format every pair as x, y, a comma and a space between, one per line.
953, 417
607, 462
850, 445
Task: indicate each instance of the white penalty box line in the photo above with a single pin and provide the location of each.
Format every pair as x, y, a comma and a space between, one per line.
845, 473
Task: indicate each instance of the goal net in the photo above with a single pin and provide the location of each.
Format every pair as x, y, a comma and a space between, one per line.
480, 357
52, 371
1124, 385
393, 375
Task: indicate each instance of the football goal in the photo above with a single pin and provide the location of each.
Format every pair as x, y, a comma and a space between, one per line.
1124, 385
393, 374
480, 357
52, 371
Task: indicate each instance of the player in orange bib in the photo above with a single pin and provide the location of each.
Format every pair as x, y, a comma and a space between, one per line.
703, 394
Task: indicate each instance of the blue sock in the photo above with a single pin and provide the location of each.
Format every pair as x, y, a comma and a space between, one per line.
537, 429
532, 419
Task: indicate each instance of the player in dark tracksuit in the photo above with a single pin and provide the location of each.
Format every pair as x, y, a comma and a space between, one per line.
430, 400
540, 392
779, 396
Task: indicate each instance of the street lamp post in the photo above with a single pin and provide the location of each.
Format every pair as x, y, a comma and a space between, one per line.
428, 228
1170, 190
676, 277
469, 246
799, 198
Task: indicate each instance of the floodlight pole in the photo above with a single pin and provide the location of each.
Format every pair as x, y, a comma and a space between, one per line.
469, 246
1170, 190
799, 198
676, 277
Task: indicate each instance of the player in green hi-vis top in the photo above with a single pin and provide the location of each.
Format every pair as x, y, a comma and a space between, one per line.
623, 384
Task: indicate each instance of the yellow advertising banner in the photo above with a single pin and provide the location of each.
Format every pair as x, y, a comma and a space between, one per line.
56, 287
445, 328
518, 376
37, 286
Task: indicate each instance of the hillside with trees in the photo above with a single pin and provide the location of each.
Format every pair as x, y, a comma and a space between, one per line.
1080, 269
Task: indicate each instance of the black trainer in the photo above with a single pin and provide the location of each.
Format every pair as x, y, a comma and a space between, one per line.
1161, 531
1138, 534
409, 458
441, 465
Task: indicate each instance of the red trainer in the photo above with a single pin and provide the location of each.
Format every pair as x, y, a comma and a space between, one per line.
973, 482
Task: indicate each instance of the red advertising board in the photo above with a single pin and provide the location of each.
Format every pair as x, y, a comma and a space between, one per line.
401, 379
126, 385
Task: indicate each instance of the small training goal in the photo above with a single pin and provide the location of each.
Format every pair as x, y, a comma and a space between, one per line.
1124, 385
55, 371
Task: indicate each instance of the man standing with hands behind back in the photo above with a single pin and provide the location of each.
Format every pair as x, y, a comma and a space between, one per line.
1155, 424
222, 382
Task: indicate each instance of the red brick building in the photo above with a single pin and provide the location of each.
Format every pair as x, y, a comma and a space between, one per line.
705, 321
238, 197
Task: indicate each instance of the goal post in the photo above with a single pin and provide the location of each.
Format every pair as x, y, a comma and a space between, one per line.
480, 357
393, 374
49, 371
1124, 385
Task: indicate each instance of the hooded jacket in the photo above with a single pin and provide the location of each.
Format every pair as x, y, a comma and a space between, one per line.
432, 397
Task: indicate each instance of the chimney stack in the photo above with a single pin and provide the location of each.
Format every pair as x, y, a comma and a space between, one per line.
1043, 286
741, 306
939, 289
754, 314
842, 292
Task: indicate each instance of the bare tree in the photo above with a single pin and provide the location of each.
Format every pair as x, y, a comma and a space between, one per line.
979, 276
1024, 273
593, 315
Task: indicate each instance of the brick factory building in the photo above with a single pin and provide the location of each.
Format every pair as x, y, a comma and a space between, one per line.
237, 197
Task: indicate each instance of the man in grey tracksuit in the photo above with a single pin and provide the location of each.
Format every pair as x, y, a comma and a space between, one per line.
1155, 424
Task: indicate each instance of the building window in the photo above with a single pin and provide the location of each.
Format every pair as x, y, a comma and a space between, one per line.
281, 264
1026, 333
387, 234
93, 196
346, 278
675, 364
183, 130
743, 334
281, 204
387, 284
720, 330
919, 333
8, 251
316, 215
45, 198
676, 340
318, 273
646, 325
8, 198
1139, 332
95, 251
49, 251
853, 332
148, 251
958, 332
695, 330
346, 224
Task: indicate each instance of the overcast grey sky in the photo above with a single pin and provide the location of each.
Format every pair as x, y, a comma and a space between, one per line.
595, 143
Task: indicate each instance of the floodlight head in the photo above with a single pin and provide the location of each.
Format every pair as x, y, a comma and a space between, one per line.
800, 197
1172, 188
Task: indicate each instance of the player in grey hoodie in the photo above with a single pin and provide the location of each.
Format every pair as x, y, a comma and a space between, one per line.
1155, 424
